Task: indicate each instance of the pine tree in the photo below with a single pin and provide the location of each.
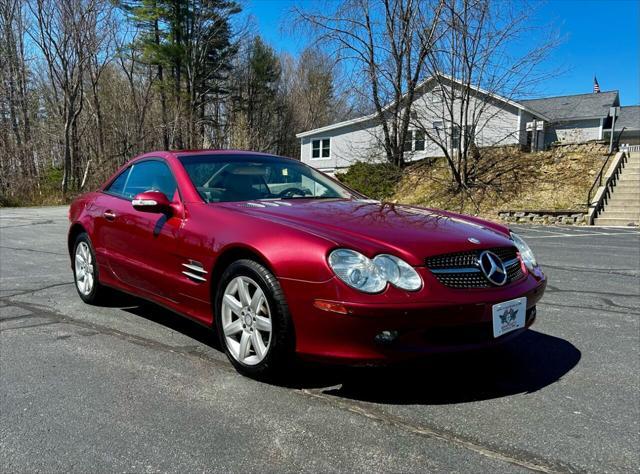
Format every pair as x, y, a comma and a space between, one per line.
191, 45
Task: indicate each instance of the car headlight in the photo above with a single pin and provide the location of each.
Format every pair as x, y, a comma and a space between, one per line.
372, 276
398, 272
525, 251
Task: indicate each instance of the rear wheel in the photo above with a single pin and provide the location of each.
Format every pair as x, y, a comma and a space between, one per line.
85, 271
253, 322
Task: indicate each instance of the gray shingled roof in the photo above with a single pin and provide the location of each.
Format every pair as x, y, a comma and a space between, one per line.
629, 118
571, 107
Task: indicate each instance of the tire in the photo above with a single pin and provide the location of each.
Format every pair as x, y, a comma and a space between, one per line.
96, 292
275, 349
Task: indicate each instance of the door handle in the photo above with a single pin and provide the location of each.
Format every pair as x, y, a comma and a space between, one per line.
109, 215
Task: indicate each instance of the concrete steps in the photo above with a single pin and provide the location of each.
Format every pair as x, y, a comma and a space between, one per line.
618, 204
628, 188
631, 194
614, 222
622, 215
630, 175
623, 205
629, 178
634, 209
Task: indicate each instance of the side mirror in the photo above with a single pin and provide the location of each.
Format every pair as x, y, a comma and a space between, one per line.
151, 201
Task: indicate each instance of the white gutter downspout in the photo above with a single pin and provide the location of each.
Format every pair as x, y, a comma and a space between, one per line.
613, 126
600, 132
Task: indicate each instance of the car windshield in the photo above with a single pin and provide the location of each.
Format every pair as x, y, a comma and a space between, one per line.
227, 178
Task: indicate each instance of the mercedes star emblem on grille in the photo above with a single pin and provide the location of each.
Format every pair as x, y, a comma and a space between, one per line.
493, 268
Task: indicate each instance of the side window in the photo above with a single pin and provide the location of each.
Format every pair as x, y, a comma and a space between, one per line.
150, 176
117, 185
316, 188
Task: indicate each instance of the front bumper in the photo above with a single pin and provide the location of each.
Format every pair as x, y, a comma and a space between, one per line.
447, 320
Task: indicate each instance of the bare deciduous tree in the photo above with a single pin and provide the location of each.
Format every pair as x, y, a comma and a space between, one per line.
62, 31
472, 66
15, 99
97, 91
386, 45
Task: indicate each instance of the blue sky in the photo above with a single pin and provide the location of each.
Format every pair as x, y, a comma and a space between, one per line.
600, 37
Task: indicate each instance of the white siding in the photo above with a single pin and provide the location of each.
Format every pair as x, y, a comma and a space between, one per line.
499, 124
351, 143
577, 131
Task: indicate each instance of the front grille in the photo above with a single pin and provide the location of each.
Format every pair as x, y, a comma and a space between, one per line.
464, 280
461, 269
514, 272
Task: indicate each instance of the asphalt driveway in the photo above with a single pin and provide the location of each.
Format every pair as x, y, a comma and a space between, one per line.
134, 388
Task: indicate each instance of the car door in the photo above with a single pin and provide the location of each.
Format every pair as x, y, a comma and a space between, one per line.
103, 209
141, 246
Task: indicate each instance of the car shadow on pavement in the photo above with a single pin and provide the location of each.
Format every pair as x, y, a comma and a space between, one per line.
524, 365
160, 315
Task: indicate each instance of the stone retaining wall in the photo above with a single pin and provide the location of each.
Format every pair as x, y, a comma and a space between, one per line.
544, 217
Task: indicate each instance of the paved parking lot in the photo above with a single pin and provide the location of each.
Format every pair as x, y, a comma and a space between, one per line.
134, 388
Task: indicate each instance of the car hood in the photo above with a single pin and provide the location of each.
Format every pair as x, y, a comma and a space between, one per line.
372, 227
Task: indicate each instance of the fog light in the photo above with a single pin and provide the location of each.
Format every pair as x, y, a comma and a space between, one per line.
386, 337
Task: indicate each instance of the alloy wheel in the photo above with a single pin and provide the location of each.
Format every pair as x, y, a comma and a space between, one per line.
84, 268
246, 321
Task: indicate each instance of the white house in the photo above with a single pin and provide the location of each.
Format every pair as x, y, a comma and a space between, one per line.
532, 124
628, 125
577, 118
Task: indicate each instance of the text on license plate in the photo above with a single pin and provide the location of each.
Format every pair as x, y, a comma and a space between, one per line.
509, 316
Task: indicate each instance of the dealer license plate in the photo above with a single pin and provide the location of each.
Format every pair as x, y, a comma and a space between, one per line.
509, 316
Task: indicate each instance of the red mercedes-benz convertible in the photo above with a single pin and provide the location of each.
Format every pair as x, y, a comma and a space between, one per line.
282, 260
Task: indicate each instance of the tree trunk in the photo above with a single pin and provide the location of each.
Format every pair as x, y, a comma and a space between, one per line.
163, 97
66, 170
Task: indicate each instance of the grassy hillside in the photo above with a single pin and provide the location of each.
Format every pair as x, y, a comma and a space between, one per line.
558, 179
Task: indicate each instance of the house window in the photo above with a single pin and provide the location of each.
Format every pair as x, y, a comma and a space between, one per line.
455, 137
408, 141
414, 141
469, 135
418, 140
438, 128
321, 148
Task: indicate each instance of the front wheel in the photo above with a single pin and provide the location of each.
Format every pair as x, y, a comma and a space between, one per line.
253, 321
85, 271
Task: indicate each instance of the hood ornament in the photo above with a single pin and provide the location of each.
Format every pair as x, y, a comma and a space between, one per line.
473, 240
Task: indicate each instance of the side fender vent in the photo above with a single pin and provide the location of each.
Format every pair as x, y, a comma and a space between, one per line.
194, 271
